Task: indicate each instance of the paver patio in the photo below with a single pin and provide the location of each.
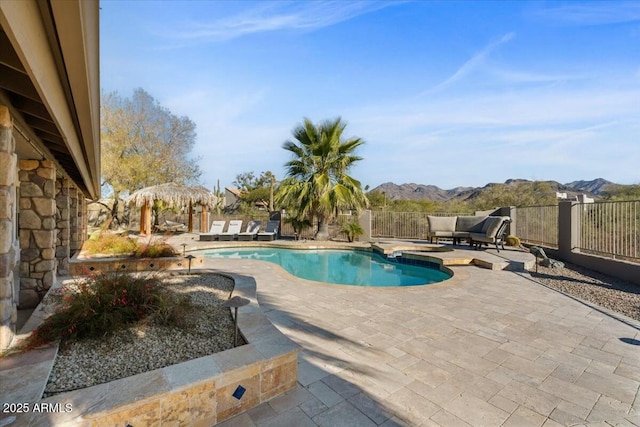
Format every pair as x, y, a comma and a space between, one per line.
485, 348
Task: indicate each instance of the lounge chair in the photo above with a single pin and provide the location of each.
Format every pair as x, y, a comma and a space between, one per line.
270, 232
214, 232
232, 231
252, 230
172, 226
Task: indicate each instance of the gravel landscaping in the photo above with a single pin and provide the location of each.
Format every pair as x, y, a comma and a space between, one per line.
597, 288
147, 346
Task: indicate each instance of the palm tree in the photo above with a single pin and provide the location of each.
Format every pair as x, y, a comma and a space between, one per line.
317, 183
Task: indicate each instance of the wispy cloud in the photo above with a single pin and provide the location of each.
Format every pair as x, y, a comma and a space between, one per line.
471, 65
298, 15
512, 76
596, 13
214, 105
549, 132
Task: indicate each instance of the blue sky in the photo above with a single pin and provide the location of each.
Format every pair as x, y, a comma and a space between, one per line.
443, 93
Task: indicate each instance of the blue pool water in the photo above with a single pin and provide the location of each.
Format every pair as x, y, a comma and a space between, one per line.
344, 267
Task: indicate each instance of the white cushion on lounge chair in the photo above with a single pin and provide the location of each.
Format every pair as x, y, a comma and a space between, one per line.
232, 231
252, 230
214, 232
270, 232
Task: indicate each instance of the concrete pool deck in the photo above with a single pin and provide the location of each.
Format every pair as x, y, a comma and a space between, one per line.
487, 347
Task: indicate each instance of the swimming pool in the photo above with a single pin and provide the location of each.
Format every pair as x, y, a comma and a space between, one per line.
346, 267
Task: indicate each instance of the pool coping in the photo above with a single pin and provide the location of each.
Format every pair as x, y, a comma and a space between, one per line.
444, 256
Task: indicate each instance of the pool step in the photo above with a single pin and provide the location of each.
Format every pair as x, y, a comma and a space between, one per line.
489, 259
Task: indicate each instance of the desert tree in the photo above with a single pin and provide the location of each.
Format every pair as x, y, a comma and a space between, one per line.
256, 189
144, 144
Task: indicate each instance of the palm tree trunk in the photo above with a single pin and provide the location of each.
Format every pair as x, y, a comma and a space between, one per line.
323, 230
114, 211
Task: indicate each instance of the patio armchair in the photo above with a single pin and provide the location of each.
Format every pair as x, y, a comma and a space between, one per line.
494, 230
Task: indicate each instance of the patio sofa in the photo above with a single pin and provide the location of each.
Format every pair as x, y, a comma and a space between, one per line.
478, 230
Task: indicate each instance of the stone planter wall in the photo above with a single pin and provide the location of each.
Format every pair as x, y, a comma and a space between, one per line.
81, 266
194, 393
37, 230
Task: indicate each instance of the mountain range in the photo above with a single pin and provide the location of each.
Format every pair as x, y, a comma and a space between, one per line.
411, 191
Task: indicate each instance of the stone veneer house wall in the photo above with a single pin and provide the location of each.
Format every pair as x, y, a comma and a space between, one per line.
49, 144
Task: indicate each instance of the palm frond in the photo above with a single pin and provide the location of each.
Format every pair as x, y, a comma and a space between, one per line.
317, 182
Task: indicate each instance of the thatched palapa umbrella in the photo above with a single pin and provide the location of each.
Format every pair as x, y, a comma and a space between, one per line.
173, 195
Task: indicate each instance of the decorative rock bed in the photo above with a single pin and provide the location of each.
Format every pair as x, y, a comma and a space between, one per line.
201, 391
206, 328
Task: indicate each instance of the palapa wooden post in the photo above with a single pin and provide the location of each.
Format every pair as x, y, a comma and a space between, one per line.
145, 219
190, 226
142, 218
203, 220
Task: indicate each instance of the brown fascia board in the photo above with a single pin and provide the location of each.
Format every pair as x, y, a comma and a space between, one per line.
77, 27
43, 34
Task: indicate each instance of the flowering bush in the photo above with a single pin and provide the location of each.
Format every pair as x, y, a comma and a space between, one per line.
102, 303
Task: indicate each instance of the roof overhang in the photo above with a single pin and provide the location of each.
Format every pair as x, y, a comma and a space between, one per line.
49, 77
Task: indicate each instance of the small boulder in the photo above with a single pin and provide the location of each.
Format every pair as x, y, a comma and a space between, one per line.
538, 252
29, 298
552, 263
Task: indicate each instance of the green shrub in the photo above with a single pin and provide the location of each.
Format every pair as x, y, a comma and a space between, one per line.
171, 309
103, 303
155, 250
298, 224
513, 241
352, 230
